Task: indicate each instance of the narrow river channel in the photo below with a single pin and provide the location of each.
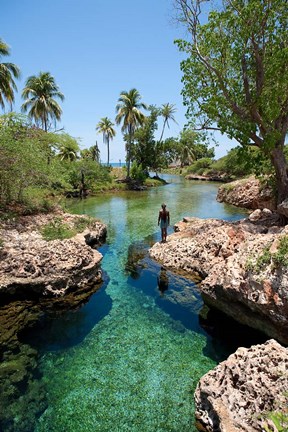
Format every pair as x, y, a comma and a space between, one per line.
129, 360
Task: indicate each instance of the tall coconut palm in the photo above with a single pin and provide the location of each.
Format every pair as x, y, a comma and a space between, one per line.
40, 93
130, 115
167, 112
105, 126
8, 71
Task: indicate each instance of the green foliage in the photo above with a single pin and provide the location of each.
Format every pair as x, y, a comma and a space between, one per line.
235, 74
263, 260
40, 94
57, 230
1, 242
31, 172
23, 162
145, 150
199, 165
68, 147
105, 126
277, 259
281, 256
277, 421
91, 153
38, 200
91, 172
240, 162
137, 172
130, 115
8, 72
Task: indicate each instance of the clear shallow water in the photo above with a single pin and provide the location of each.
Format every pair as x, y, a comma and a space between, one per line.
130, 359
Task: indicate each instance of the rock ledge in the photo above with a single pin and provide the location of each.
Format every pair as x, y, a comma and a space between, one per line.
238, 393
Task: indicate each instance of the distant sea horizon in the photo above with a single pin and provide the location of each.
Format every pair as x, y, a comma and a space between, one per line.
114, 164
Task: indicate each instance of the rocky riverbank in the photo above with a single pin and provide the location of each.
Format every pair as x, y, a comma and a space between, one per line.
241, 392
243, 268
247, 193
242, 265
38, 278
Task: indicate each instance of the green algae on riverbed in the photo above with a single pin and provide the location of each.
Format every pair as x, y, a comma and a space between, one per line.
136, 371
130, 359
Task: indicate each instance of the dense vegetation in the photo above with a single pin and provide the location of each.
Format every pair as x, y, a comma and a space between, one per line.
36, 167
235, 75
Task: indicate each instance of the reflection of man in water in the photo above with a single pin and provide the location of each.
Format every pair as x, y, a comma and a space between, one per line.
163, 281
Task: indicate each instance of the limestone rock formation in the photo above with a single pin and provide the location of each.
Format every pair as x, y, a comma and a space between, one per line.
238, 393
38, 277
30, 264
243, 267
247, 193
216, 177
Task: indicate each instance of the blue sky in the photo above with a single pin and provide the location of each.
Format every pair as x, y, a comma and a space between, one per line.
95, 49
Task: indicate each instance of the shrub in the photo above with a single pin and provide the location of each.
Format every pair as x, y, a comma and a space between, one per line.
199, 166
57, 230
281, 256
137, 172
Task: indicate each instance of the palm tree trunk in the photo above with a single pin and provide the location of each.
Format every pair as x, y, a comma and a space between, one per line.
164, 124
129, 151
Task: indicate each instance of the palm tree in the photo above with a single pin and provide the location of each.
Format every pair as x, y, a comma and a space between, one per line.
68, 148
186, 154
8, 71
128, 112
40, 93
167, 112
67, 153
105, 126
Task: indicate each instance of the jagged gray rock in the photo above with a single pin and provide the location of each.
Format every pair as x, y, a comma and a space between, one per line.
238, 393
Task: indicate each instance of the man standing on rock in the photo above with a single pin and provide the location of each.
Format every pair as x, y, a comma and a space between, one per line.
164, 221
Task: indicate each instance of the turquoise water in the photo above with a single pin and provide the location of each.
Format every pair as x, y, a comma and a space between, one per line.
129, 360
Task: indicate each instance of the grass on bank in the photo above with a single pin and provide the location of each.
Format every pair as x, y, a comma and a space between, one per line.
59, 230
276, 259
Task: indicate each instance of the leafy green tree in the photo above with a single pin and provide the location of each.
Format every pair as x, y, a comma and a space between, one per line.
167, 112
8, 72
23, 161
105, 126
129, 113
235, 75
188, 147
40, 93
85, 174
143, 150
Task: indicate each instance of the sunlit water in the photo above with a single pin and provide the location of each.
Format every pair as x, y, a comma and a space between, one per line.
129, 360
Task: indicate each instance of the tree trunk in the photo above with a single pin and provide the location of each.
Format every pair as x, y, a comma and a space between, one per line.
280, 165
129, 152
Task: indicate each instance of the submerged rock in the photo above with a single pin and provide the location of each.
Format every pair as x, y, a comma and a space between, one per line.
238, 394
243, 273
